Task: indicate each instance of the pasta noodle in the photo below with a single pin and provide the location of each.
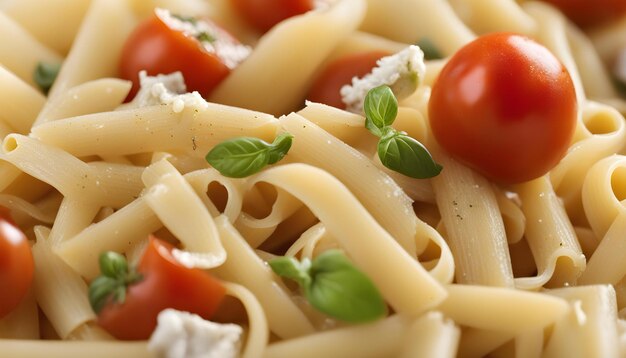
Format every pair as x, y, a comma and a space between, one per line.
465, 265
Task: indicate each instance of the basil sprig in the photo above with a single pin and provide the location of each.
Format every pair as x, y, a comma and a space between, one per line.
396, 150
334, 286
244, 156
111, 285
45, 74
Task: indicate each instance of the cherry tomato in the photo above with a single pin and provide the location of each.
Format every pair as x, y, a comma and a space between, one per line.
264, 14
6, 215
165, 283
16, 267
340, 72
156, 48
505, 106
587, 13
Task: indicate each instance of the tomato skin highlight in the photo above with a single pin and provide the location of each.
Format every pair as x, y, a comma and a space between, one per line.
327, 86
157, 49
588, 13
265, 14
505, 106
165, 284
16, 267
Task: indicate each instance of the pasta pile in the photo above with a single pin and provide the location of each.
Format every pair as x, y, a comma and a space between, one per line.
467, 267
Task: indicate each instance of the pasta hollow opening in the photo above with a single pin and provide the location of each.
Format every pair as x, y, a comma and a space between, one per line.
9, 144
618, 183
602, 123
218, 195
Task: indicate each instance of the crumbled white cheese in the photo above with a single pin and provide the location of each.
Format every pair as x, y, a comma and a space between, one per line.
185, 335
218, 42
620, 66
402, 72
166, 89
198, 259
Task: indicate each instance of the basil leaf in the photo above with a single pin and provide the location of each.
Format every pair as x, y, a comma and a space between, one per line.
431, 52
341, 291
280, 147
113, 265
291, 268
45, 74
381, 108
100, 291
244, 156
334, 286
403, 154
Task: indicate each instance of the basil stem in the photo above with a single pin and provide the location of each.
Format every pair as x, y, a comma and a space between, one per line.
396, 150
292, 269
334, 286
114, 280
45, 74
244, 156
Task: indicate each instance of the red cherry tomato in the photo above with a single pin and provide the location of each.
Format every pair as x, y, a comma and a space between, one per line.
165, 284
156, 48
264, 14
339, 73
16, 267
505, 106
586, 13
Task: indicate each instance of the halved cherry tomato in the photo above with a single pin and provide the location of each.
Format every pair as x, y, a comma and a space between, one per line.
587, 13
16, 266
164, 283
158, 49
339, 73
505, 106
264, 14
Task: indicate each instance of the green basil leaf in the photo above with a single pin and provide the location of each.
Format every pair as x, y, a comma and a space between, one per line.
372, 127
113, 265
239, 157
100, 291
342, 291
381, 108
292, 269
45, 74
280, 147
431, 52
244, 156
407, 156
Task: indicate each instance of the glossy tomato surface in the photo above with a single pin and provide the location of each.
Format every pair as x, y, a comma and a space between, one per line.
586, 13
165, 284
158, 49
327, 86
16, 267
265, 14
505, 106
